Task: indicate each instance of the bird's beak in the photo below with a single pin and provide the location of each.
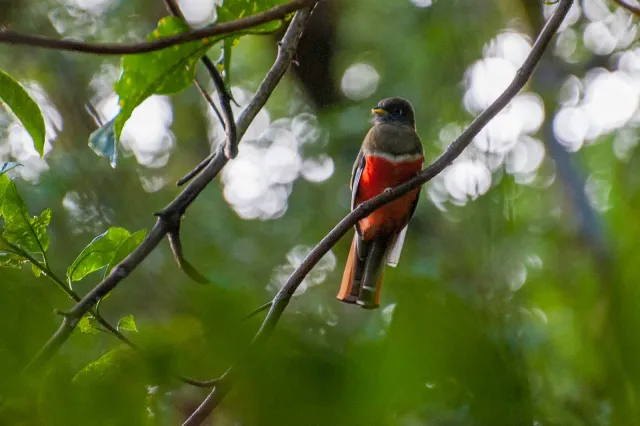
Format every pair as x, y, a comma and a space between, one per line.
379, 111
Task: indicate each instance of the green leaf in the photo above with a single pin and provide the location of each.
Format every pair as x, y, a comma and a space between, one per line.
127, 323
173, 69
125, 248
87, 325
103, 142
4, 184
166, 71
97, 254
36, 271
25, 109
232, 10
8, 166
28, 233
102, 365
8, 256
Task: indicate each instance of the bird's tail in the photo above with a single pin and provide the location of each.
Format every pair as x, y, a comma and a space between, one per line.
362, 278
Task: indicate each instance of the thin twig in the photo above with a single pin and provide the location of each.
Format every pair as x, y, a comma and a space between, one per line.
631, 8
230, 128
257, 310
46, 270
281, 300
184, 264
200, 383
275, 13
231, 147
209, 99
197, 169
170, 216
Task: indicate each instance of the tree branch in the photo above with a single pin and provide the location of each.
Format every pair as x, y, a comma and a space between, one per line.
275, 13
281, 300
231, 148
46, 270
631, 8
170, 216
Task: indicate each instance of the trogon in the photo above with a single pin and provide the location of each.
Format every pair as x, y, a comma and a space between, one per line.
390, 154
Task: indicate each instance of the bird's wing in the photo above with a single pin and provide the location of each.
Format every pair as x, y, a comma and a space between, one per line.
356, 174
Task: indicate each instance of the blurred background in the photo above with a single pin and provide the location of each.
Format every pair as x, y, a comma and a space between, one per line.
515, 299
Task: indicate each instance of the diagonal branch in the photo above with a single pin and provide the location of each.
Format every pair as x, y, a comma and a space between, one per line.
631, 8
275, 13
46, 270
281, 300
231, 148
170, 216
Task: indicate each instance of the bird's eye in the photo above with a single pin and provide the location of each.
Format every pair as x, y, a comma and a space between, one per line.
399, 111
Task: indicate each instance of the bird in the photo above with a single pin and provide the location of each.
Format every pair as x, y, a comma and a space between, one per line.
390, 154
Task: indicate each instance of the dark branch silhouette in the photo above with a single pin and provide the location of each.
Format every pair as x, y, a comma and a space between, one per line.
275, 13
631, 8
231, 145
282, 298
169, 217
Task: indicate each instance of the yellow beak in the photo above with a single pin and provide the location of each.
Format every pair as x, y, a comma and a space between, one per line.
379, 111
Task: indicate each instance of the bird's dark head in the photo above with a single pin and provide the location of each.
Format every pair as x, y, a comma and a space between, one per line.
394, 110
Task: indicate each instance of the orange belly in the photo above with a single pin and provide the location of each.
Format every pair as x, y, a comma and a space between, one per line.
378, 175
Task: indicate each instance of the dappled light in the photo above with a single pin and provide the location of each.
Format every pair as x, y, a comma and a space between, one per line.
360, 81
184, 236
506, 141
260, 180
294, 259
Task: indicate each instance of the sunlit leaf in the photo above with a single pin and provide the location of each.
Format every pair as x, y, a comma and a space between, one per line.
28, 233
233, 10
25, 109
98, 253
36, 271
8, 257
166, 71
102, 365
87, 325
173, 69
103, 142
11, 260
127, 246
127, 323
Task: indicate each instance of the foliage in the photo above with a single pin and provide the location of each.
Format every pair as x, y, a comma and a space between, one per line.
513, 303
20, 103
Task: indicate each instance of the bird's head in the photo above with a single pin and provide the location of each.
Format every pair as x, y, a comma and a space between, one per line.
396, 110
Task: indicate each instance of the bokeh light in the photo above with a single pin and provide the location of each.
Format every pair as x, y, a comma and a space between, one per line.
259, 181
360, 81
294, 259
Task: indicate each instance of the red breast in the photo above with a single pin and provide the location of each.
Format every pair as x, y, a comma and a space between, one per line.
382, 172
